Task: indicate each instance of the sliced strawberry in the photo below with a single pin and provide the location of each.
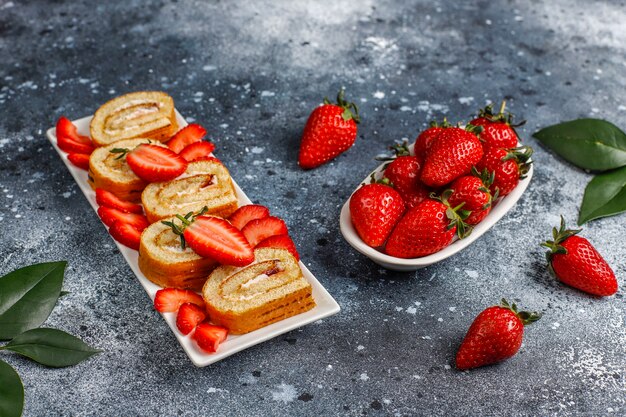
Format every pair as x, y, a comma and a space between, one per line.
69, 140
110, 215
244, 214
216, 238
126, 234
208, 336
80, 160
260, 229
186, 136
154, 163
281, 242
197, 151
108, 199
189, 316
169, 300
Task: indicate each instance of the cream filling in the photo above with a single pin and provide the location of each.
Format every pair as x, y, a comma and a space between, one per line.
255, 280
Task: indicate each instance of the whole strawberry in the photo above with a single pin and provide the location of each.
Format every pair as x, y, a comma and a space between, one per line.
473, 192
575, 262
403, 172
508, 166
425, 229
330, 130
375, 209
498, 129
425, 139
452, 155
495, 335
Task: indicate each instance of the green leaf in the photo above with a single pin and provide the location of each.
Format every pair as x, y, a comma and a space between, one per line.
11, 392
27, 296
605, 195
592, 144
51, 347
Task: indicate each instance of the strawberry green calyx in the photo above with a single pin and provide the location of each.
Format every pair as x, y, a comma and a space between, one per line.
501, 117
186, 220
443, 124
522, 156
558, 236
524, 316
487, 178
350, 110
476, 130
399, 149
456, 215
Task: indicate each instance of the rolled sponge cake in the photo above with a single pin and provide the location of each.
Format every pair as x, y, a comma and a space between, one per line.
143, 114
270, 289
163, 261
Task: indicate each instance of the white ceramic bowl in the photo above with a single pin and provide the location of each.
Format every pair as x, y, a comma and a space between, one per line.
502, 206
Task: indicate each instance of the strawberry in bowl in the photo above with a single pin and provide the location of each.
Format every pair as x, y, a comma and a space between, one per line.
450, 190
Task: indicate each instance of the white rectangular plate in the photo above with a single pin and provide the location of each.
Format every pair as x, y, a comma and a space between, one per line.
326, 305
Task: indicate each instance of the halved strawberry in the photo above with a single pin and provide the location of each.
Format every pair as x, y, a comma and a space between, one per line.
186, 136
216, 238
189, 316
169, 300
197, 151
110, 215
154, 163
280, 241
80, 160
126, 234
244, 214
69, 140
209, 336
108, 199
260, 229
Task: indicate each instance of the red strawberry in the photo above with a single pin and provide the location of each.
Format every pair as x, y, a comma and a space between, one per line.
498, 130
426, 228
154, 163
169, 300
375, 209
209, 336
69, 140
495, 335
473, 192
216, 238
110, 215
426, 139
197, 151
330, 130
260, 229
80, 160
403, 172
244, 214
189, 316
281, 242
575, 262
186, 136
108, 199
452, 155
508, 167
126, 234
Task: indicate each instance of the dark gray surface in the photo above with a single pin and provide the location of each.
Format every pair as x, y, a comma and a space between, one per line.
251, 73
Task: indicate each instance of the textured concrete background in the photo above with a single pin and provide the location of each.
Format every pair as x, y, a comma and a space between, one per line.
251, 72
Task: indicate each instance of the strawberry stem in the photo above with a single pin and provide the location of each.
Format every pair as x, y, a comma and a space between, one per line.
525, 316
350, 110
456, 215
559, 236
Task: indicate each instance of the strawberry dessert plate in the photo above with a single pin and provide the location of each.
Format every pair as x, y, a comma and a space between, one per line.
156, 162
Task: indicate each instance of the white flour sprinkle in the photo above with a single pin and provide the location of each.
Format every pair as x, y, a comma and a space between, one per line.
471, 274
286, 393
379, 94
